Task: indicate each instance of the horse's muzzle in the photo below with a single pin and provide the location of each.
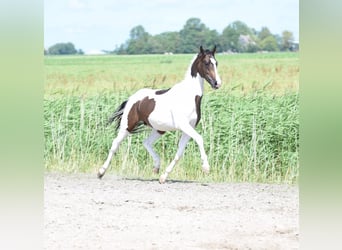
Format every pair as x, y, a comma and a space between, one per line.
216, 85
213, 83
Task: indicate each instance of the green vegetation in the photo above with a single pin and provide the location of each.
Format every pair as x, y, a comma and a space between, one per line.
250, 126
63, 49
236, 37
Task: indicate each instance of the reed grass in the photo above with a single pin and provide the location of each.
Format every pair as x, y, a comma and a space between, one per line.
249, 138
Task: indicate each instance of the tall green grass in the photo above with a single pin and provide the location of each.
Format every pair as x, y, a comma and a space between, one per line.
251, 137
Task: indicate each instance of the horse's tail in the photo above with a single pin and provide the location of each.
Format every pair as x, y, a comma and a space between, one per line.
117, 115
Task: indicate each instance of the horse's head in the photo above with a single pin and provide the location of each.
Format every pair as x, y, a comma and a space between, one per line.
206, 66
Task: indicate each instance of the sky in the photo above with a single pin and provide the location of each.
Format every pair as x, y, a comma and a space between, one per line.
95, 25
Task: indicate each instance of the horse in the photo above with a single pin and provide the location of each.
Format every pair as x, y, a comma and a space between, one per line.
176, 108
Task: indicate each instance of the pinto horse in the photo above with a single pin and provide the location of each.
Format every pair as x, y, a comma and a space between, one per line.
177, 108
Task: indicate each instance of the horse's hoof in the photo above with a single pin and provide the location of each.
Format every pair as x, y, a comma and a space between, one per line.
162, 178
99, 174
156, 170
206, 170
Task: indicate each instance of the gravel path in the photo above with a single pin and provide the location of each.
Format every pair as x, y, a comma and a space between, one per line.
83, 212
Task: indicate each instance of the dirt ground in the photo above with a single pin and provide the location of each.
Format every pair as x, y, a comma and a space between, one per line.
83, 212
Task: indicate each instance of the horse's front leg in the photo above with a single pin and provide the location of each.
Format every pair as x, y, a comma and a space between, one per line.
189, 130
181, 147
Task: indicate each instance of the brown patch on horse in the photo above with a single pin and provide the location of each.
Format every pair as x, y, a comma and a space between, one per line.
140, 112
162, 91
198, 100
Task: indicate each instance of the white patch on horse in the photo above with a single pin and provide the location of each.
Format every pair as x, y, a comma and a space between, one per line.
218, 79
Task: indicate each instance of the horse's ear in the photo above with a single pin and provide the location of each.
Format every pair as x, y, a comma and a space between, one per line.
201, 49
214, 50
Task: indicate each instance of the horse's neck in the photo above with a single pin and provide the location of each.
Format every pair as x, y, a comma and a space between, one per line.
194, 83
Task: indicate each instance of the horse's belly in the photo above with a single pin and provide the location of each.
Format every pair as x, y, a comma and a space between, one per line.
168, 120
162, 121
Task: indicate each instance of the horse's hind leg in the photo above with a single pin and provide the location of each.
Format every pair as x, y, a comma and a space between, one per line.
148, 144
115, 145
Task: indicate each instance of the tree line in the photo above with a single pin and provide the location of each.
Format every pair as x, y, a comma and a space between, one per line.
237, 37
63, 49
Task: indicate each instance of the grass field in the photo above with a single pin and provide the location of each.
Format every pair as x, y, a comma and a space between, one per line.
250, 126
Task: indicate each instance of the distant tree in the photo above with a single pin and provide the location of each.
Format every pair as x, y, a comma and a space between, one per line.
236, 37
137, 33
231, 36
267, 41
166, 42
264, 33
252, 47
269, 44
138, 42
287, 40
279, 40
213, 38
194, 34
121, 50
62, 49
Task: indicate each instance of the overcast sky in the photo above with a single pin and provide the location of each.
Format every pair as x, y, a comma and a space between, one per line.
103, 24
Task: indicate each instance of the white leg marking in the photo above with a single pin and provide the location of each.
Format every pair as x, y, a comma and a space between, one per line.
148, 144
181, 147
115, 145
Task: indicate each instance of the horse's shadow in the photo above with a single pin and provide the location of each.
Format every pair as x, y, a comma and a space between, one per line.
168, 181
